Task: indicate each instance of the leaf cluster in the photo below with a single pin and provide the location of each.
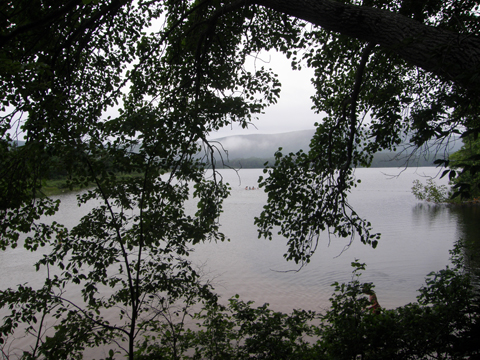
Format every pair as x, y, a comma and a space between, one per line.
465, 170
304, 201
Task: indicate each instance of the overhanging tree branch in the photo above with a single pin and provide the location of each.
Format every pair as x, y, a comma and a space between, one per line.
354, 99
452, 56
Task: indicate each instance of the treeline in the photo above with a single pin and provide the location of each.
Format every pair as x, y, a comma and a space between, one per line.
380, 160
392, 159
249, 163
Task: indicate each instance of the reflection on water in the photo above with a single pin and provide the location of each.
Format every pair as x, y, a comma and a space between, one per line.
428, 213
468, 229
466, 218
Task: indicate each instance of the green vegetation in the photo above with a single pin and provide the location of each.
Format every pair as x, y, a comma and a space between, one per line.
465, 164
57, 187
431, 191
443, 323
463, 173
99, 88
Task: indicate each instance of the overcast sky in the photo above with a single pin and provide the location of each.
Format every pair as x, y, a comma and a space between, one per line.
293, 110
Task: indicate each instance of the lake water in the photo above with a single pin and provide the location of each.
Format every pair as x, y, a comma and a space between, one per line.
416, 238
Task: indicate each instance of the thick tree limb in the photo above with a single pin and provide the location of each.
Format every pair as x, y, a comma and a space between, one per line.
450, 55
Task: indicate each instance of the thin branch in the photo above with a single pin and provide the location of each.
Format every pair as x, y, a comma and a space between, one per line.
99, 323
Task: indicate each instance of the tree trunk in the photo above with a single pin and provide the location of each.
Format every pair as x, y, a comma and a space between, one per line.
450, 55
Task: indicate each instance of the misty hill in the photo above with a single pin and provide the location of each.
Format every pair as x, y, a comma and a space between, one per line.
252, 151
264, 146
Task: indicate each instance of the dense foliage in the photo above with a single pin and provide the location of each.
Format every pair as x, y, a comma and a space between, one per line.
463, 174
443, 323
99, 88
466, 162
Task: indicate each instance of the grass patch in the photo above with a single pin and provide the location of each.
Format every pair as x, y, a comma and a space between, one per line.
60, 186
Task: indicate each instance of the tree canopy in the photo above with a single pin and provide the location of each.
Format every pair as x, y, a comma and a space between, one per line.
114, 87
409, 66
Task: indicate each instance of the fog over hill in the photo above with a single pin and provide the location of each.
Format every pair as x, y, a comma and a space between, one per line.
264, 145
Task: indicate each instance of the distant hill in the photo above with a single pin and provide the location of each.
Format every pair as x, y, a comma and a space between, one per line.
252, 151
17, 143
